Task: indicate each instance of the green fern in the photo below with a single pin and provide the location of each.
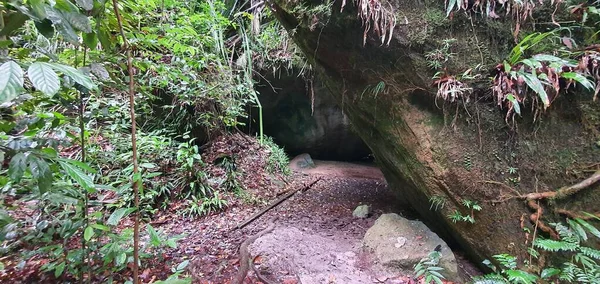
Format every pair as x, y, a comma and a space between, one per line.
589, 227
520, 277
555, 246
506, 260
490, 279
593, 253
429, 269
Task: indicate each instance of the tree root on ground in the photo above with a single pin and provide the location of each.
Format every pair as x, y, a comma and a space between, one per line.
245, 254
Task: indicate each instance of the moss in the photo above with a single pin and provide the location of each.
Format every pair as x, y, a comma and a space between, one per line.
436, 17
591, 117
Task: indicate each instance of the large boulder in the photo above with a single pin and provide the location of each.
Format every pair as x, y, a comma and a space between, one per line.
401, 243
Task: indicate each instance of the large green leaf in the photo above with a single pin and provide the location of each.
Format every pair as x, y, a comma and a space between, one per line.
515, 103
154, 237
38, 7
12, 22
77, 175
75, 74
536, 85
62, 25
450, 7
78, 21
90, 40
41, 172
116, 216
11, 81
579, 78
65, 6
44, 78
83, 166
85, 4
104, 36
17, 167
88, 233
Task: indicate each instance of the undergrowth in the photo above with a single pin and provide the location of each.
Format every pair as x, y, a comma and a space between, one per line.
278, 160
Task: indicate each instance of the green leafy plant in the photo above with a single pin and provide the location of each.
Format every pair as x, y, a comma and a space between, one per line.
507, 273
467, 162
457, 216
580, 262
438, 57
429, 268
542, 73
278, 160
437, 202
203, 206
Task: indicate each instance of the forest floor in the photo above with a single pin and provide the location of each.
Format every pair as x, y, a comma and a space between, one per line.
315, 239
315, 229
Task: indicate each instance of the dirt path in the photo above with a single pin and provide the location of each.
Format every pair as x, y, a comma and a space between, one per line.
315, 230
316, 239
341, 169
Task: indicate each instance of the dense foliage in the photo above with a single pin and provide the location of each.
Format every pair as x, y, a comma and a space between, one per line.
67, 175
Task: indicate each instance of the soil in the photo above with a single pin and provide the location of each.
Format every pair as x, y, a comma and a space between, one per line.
316, 239
323, 215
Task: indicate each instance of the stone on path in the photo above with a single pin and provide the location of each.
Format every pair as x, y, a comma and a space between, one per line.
401, 243
362, 211
302, 161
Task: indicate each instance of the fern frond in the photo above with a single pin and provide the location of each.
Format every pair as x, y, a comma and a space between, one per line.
565, 233
569, 272
521, 277
554, 246
577, 229
593, 253
589, 227
506, 260
587, 262
490, 279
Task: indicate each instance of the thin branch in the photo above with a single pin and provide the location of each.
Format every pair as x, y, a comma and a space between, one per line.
136, 179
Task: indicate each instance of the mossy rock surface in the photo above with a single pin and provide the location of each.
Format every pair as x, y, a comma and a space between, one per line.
456, 152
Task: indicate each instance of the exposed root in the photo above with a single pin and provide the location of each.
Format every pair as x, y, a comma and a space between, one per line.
562, 193
245, 255
565, 191
535, 218
259, 275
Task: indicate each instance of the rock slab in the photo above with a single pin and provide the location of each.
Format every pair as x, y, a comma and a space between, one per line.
400, 243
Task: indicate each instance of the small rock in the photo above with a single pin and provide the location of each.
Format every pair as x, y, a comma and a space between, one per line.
362, 211
302, 161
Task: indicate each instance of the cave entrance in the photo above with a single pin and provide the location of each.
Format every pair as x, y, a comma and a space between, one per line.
302, 117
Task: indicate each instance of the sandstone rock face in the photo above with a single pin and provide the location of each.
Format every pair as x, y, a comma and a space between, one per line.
430, 149
401, 243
